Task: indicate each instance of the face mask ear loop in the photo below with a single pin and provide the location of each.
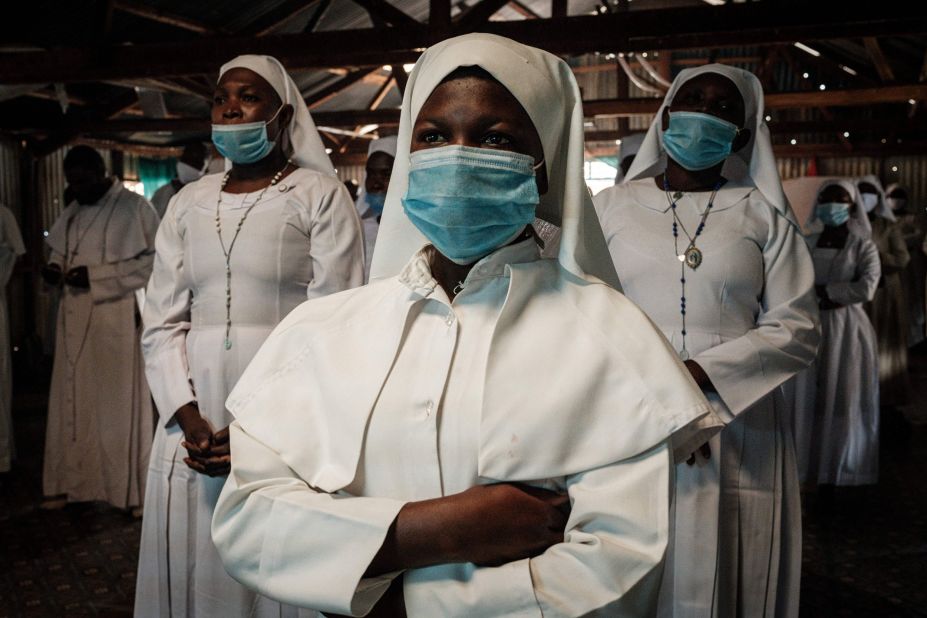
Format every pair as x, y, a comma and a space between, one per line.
538, 165
276, 113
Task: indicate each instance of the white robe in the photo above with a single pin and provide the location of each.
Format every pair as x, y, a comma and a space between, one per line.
837, 398
371, 228
11, 247
99, 429
531, 374
751, 325
302, 240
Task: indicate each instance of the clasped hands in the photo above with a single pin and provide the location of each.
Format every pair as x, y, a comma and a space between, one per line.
208, 451
77, 277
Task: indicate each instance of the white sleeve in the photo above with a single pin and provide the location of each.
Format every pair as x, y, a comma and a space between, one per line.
337, 245
608, 565
864, 285
279, 536
787, 332
167, 319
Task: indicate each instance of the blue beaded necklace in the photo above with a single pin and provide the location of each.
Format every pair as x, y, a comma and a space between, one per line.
692, 256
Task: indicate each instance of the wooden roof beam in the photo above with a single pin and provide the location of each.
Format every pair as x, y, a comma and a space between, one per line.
751, 23
331, 91
382, 12
878, 59
478, 14
162, 17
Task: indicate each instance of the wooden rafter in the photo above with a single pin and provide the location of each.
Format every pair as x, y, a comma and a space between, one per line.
276, 17
478, 14
382, 12
523, 10
402, 78
886, 74
604, 108
439, 16
381, 93
320, 10
334, 89
751, 23
558, 9
71, 131
162, 17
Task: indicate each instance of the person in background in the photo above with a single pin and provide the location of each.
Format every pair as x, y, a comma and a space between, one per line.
913, 223
380, 157
704, 241
836, 414
236, 252
11, 247
509, 449
191, 166
627, 150
888, 311
352, 187
99, 428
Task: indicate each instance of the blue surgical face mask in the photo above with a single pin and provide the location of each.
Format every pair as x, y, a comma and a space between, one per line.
833, 214
698, 141
376, 201
870, 201
470, 201
243, 143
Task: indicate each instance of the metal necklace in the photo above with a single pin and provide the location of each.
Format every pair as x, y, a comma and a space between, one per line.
228, 252
692, 256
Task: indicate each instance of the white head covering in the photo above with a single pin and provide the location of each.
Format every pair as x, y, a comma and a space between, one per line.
754, 163
881, 208
630, 145
308, 150
383, 144
859, 220
545, 87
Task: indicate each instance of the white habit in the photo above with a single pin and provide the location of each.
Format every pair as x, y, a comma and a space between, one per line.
751, 324
99, 410
837, 398
11, 247
538, 371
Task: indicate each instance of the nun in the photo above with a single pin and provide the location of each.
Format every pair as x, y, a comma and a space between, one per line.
837, 402
912, 222
888, 310
235, 253
704, 241
510, 451
370, 201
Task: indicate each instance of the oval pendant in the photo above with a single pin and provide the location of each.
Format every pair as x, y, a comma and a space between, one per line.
693, 257
683, 355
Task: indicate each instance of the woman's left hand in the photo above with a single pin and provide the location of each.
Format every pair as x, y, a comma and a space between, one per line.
698, 374
217, 460
704, 450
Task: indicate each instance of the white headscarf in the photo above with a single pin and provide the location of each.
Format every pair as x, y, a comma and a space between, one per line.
754, 163
383, 144
859, 220
630, 145
545, 87
305, 142
881, 208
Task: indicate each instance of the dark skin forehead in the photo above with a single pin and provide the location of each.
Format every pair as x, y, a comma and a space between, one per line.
867, 187
834, 193
711, 93
380, 161
256, 97
478, 112
898, 193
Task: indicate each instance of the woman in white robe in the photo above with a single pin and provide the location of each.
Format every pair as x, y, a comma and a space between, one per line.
750, 325
11, 247
888, 310
370, 198
298, 237
98, 435
837, 399
396, 492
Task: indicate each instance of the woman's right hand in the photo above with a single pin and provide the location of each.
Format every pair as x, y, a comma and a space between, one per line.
506, 521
